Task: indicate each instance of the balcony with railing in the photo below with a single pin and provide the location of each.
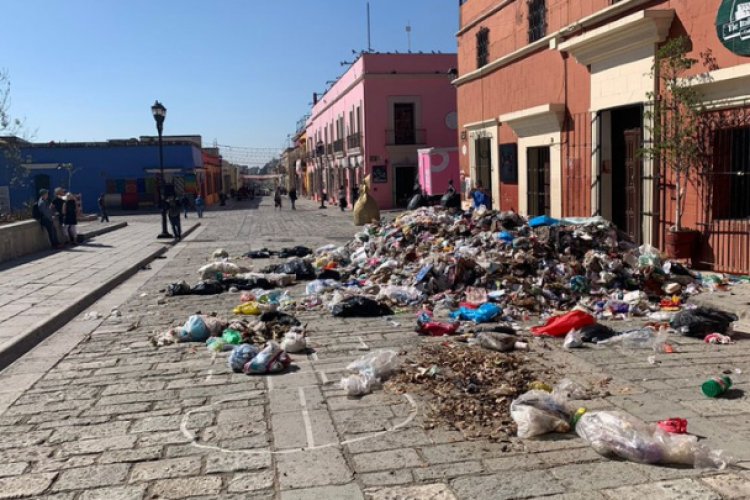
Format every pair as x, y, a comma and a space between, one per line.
338, 146
354, 141
406, 137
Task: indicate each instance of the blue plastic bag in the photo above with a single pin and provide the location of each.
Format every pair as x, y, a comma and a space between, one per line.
194, 330
483, 314
505, 236
543, 220
241, 355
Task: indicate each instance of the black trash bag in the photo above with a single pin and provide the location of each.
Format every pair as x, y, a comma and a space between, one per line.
303, 270
280, 318
451, 200
248, 284
416, 201
180, 288
329, 274
207, 287
702, 321
298, 251
360, 307
596, 333
263, 253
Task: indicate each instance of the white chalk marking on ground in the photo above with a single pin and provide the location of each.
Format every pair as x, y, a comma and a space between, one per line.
324, 378
364, 347
306, 418
210, 375
269, 382
191, 436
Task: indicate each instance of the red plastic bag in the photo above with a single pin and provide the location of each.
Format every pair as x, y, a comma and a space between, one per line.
559, 326
434, 329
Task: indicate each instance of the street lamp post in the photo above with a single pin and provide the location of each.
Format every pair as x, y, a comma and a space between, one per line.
71, 171
160, 113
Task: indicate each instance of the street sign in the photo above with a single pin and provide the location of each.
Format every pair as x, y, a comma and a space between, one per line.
733, 26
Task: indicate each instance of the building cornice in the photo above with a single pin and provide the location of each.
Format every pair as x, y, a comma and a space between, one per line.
644, 28
535, 121
551, 40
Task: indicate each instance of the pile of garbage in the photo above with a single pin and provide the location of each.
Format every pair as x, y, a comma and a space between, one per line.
523, 267
468, 389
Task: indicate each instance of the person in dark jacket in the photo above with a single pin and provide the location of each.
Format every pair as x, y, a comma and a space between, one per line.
58, 204
173, 212
70, 218
103, 208
45, 218
293, 197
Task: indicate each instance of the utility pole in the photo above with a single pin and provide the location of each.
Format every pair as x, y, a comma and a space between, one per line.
369, 44
408, 35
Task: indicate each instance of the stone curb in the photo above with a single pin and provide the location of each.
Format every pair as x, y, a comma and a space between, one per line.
11, 351
102, 230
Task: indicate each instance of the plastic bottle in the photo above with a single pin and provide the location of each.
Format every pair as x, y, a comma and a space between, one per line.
716, 386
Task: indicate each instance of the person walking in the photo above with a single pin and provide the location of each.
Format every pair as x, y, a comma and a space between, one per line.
199, 204
58, 204
103, 208
277, 198
323, 195
293, 197
173, 212
185, 201
70, 218
44, 215
342, 198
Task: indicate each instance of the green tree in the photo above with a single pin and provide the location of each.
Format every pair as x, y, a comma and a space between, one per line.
674, 117
11, 129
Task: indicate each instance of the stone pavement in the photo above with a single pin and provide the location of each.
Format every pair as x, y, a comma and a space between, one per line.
110, 416
41, 293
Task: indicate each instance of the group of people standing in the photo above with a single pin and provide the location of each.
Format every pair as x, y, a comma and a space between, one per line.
64, 207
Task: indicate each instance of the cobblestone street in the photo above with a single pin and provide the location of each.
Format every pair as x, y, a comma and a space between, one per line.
95, 411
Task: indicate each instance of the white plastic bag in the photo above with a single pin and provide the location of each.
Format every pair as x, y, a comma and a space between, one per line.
402, 295
209, 271
369, 371
618, 434
645, 338
294, 340
381, 364
539, 412
573, 340
359, 384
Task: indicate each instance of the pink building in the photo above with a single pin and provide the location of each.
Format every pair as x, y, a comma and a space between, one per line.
375, 118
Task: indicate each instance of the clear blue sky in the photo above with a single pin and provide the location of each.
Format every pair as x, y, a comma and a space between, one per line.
238, 71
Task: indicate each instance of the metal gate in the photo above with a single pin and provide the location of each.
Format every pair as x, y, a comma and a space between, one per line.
633, 184
538, 161
577, 157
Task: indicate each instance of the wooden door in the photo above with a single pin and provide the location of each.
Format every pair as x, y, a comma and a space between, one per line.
633, 184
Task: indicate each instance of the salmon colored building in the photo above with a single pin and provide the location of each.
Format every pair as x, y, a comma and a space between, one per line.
552, 107
373, 120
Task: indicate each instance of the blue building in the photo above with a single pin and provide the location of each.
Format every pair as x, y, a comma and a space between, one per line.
126, 171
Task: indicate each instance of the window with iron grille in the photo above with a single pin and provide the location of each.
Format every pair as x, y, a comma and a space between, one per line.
483, 47
731, 173
537, 19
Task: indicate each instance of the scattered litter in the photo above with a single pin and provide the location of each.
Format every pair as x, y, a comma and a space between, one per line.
716, 386
91, 315
369, 371
717, 338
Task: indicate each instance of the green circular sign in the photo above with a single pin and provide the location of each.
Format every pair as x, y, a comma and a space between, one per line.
733, 26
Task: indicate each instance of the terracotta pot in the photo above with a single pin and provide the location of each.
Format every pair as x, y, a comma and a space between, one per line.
682, 244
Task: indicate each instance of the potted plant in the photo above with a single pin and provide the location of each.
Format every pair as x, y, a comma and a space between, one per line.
673, 119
